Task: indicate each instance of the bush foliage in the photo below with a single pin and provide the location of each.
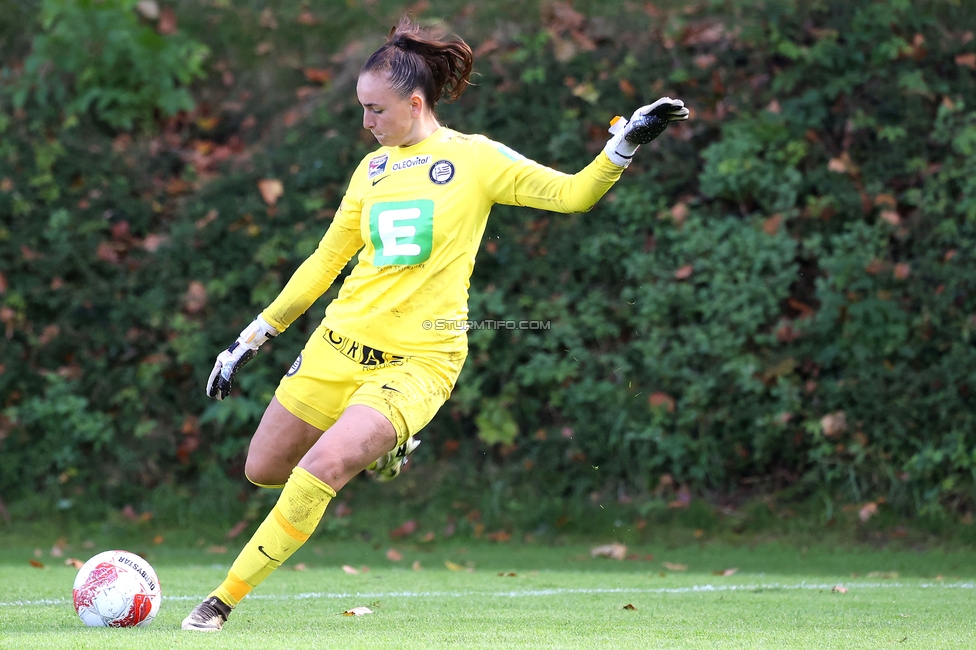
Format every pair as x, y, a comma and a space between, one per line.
779, 294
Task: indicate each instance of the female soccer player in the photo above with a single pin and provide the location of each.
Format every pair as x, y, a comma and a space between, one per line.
391, 346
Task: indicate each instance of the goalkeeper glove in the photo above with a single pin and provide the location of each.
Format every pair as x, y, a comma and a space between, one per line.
233, 358
644, 125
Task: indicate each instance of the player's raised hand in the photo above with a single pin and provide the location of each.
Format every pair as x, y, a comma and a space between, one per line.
233, 358
644, 125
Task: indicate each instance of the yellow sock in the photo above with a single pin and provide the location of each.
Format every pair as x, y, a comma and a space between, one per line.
293, 519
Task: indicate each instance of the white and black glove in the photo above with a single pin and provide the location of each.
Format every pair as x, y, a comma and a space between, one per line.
233, 358
644, 125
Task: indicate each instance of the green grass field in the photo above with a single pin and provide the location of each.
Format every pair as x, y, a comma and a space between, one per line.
530, 595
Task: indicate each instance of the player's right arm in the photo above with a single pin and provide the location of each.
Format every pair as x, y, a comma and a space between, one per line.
317, 273
312, 278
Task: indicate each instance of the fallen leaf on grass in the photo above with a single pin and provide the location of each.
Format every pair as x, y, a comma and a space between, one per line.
350, 570
75, 562
301, 566
36, 564
840, 589
237, 529
58, 549
726, 572
614, 551
468, 566
394, 555
632, 608
510, 574
406, 528
416, 566
671, 566
357, 611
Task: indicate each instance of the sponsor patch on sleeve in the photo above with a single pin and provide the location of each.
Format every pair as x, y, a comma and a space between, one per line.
508, 152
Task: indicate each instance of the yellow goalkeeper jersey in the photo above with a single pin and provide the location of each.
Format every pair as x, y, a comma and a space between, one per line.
418, 213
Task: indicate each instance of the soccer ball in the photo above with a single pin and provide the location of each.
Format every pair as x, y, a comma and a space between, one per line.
116, 589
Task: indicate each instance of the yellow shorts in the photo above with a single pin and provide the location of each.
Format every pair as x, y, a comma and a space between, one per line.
334, 372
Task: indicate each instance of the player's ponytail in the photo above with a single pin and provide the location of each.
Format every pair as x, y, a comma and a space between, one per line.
416, 60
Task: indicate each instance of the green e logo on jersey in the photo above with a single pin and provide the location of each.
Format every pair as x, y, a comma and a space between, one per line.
402, 232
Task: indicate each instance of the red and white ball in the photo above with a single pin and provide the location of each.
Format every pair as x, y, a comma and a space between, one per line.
116, 589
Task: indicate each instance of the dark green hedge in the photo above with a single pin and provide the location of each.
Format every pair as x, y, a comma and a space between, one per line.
778, 295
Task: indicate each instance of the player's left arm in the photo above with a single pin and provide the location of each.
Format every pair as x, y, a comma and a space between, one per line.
509, 178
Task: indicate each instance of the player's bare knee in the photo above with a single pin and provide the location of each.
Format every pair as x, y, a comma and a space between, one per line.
263, 476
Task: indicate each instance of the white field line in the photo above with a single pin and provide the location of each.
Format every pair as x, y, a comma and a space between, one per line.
542, 593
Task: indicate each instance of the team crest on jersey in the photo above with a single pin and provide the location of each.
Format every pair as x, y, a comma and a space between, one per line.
377, 165
294, 367
441, 172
